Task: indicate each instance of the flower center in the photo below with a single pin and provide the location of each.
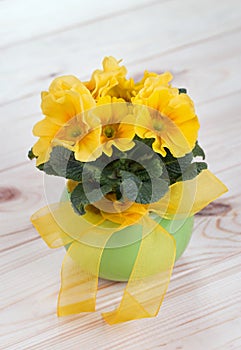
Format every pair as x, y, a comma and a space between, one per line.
157, 125
71, 132
76, 132
109, 131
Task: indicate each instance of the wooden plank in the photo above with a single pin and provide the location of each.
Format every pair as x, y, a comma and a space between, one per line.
195, 66
40, 57
48, 17
216, 296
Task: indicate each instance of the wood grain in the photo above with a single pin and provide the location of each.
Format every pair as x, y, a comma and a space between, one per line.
199, 43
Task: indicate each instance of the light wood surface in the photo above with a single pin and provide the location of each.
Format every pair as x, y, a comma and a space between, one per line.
199, 41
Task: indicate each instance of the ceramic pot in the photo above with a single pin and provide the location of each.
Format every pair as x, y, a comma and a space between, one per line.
118, 257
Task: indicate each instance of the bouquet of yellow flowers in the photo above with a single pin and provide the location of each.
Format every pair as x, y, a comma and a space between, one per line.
135, 174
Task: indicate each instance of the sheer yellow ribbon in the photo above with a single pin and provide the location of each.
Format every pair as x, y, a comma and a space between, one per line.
58, 225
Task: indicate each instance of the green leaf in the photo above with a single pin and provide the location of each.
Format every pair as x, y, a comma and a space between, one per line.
143, 192
78, 199
130, 185
182, 91
129, 189
63, 163
198, 151
143, 175
74, 169
31, 154
46, 167
118, 193
88, 194
174, 167
192, 171
96, 193
146, 160
153, 167
92, 172
147, 141
151, 191
58, 161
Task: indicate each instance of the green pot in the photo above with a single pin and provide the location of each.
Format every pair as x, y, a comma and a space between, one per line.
118, 257
120, 252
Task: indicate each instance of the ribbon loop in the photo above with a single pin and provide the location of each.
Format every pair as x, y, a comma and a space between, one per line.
48, 228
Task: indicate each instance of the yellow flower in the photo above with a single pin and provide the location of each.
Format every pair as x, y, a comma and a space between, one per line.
102, 81
64, 123
150, 82
125, 89
125, 213
81, 135
112, 81
169, 117
117, 124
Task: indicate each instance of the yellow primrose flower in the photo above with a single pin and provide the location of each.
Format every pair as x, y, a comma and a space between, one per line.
152, 81
117, 124
168, 117
125, 89
102, 81
62, 105
81, 135
128, 89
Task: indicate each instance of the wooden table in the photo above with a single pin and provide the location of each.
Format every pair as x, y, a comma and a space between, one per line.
199, 41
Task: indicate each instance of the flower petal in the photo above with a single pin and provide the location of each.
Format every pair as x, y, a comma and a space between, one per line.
88, 148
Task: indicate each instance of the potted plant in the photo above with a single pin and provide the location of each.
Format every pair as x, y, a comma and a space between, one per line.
135, 175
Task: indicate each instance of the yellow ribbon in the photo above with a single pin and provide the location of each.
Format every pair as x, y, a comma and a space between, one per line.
87, 235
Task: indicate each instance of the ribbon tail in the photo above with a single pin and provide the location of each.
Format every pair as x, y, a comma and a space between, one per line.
79, 279
150, 277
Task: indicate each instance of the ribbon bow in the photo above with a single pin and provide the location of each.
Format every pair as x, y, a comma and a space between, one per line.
87, 236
